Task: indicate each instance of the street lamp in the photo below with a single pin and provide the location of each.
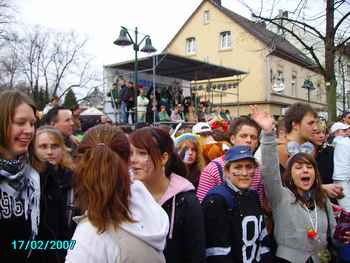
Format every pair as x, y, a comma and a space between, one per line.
125, 39
309, 86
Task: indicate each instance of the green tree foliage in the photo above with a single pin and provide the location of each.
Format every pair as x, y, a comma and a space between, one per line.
70, 101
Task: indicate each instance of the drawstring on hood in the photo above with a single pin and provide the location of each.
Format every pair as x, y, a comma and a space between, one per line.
172, 218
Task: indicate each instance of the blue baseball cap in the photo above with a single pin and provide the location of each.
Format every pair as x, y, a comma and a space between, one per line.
239, 152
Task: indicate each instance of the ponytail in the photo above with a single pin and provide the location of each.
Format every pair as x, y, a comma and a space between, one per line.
102, 183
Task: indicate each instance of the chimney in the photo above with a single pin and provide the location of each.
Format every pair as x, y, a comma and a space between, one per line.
217, 2
280, 12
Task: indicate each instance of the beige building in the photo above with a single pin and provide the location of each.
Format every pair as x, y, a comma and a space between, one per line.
276, 70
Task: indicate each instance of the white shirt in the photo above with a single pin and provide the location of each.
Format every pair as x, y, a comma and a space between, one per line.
341, 158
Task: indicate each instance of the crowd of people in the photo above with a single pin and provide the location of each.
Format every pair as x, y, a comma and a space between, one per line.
154, 106
251, 189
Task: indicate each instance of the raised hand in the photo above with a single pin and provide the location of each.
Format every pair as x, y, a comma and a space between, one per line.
264, 119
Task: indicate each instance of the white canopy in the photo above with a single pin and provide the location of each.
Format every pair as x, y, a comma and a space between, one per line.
92, 111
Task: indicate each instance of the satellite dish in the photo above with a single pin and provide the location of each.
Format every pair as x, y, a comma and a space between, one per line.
278, 87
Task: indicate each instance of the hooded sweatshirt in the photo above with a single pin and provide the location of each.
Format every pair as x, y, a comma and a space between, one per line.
186, 239
141, 241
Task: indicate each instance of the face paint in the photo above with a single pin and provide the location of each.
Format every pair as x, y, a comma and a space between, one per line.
183, 153
141, 164
187, 156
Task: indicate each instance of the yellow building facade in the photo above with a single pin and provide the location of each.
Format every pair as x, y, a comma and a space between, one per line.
275, 70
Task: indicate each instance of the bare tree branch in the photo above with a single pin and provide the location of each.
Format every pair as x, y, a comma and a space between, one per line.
302, 42
67, 50
296, 22
340, 22
342, 44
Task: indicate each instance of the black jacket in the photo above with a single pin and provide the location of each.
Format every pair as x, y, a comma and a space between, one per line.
56, 212
325, 163
235, 227
186, 241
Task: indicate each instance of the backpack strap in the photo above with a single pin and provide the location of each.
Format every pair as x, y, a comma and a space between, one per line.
223, 191
221, 171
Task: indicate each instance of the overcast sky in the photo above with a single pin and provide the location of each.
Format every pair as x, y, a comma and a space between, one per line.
101, 20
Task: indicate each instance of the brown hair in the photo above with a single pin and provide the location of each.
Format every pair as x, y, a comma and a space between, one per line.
320, 195
200, 162
10, 100
156, 142
102, 181
238, 123
296, 113
57, 137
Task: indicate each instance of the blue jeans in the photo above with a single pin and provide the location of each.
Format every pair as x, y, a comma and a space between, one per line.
123, 112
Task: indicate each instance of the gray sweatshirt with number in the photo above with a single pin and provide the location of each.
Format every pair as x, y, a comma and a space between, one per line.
291, 219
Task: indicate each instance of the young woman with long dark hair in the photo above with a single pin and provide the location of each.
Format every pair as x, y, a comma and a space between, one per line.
302, 214
155, 162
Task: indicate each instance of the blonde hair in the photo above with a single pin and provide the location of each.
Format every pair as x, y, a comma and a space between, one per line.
57, 136
321, 125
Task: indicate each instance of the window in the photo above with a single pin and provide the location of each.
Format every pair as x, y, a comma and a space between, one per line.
278, 82
348, 70
319, 91
294, 83
225, 40
190, 46
206, 17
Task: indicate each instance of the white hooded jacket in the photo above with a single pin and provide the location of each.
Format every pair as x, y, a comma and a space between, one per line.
151, 226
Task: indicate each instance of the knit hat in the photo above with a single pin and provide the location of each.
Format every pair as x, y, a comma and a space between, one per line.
185, 137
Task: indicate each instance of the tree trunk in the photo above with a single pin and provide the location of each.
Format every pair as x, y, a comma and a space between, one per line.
331, 84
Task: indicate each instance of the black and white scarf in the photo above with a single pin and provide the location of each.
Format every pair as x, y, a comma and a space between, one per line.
20, 181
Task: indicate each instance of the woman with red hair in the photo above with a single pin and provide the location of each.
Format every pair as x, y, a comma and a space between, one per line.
122, 222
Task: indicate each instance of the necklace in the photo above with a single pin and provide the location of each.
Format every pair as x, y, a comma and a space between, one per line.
312, 232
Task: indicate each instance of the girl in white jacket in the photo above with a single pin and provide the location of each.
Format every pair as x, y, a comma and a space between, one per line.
122, 222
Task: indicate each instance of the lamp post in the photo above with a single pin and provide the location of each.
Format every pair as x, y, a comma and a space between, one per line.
309, 86
125, 39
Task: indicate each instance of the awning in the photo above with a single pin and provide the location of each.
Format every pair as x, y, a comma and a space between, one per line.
180, 67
